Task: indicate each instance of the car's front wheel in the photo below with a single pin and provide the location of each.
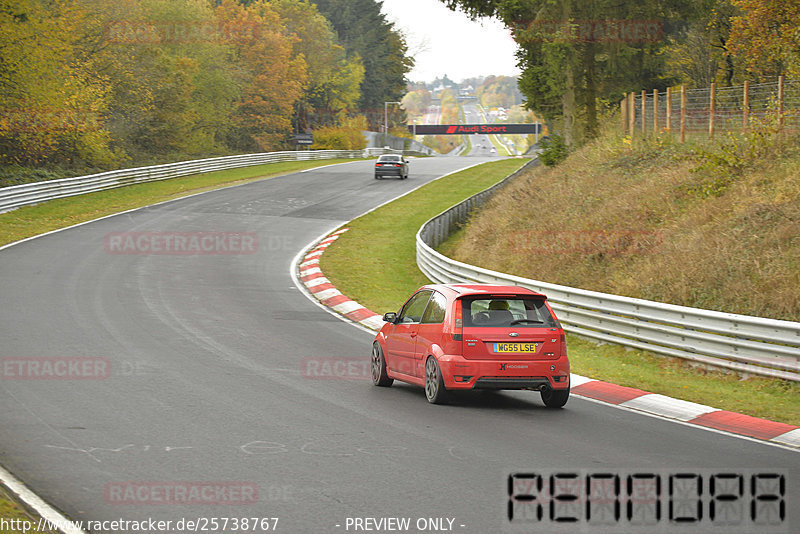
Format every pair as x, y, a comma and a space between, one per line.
435, 391
379, 375
555, 398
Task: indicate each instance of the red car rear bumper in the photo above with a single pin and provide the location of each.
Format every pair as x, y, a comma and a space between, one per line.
460, 373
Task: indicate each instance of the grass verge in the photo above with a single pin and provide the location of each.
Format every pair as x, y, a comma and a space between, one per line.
29, 221
386, 273
374, 263
15, 514
776, 400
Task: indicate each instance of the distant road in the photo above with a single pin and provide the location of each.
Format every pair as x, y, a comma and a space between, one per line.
481, 145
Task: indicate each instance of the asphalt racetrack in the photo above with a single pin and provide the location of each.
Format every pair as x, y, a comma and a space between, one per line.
199, 401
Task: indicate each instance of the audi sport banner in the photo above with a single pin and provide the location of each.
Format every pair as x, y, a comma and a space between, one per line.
466, 129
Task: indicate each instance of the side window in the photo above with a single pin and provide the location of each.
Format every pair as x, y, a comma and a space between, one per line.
414, 308
434, 313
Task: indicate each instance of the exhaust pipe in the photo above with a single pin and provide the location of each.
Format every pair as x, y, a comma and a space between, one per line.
544, 388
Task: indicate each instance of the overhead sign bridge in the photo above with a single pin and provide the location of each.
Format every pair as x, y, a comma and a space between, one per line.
468, 129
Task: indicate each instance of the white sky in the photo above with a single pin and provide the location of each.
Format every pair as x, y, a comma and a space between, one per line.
447, 42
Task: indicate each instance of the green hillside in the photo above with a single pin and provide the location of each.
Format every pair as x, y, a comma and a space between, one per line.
710, 225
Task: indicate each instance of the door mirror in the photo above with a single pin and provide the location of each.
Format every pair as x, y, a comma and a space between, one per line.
390, 317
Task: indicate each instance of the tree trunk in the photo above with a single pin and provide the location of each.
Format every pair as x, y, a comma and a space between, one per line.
568, 107
590, 91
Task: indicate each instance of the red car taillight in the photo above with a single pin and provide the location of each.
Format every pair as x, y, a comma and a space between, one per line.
458, 322
397, 165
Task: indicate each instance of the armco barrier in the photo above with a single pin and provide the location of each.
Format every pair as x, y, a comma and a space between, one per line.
742, 343
25, 194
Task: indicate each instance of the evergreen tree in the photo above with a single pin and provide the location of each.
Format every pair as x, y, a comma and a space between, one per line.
364, 32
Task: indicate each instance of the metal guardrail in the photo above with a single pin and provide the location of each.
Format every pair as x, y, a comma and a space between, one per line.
23, 195
743, 343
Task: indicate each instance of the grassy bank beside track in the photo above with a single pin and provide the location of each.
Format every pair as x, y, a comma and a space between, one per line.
374, 263
29, 221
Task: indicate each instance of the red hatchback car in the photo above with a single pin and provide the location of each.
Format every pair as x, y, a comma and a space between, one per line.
474, 336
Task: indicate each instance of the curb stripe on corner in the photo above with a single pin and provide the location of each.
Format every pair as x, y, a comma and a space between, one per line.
324, 291
688, 412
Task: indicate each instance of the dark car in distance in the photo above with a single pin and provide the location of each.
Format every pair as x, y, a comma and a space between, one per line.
391, 165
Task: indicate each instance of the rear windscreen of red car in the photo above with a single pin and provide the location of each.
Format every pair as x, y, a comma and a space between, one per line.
507, 311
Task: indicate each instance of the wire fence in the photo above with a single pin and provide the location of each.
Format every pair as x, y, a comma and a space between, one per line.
713, 109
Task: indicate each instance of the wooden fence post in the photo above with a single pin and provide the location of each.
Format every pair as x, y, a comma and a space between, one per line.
644, 112
632, 113
623, 111
780, 102
683, 113
712, 102
669, 109
746, 107
655, 111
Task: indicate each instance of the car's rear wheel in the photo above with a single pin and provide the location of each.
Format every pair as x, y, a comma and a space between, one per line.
435, 391
555, 398
379, 375
377, 177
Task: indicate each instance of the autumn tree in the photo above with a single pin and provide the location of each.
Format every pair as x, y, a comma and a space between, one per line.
417, 101
93, 83
52, 105
332, 89
272, 78
699, 52
767, 36
573, 55
498, 91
